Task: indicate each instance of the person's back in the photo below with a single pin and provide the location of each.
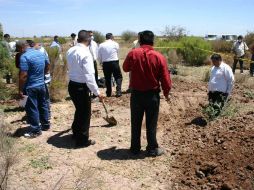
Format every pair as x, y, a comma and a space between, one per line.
33, 61
108, 51
147, 69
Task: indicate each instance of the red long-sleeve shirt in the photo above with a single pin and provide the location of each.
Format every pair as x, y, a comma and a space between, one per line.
148, 69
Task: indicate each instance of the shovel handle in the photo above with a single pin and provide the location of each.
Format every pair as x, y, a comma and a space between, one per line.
106, 110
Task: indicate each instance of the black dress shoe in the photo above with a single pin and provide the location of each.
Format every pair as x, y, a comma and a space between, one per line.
118, 94
134, 151
81, 144
156, 152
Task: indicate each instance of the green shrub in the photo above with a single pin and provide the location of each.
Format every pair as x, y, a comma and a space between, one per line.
62, 40
98, 37
221, 46
192, 50
128, 36
1, 32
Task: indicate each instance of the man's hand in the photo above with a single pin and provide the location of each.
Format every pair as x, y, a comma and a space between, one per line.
168, 98
101, 98
21, 95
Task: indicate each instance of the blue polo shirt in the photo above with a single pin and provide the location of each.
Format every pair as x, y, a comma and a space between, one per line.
33, 62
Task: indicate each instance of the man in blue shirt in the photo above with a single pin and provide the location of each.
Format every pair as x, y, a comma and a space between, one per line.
33, 65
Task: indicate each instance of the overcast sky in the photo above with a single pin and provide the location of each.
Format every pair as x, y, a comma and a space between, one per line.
62, 17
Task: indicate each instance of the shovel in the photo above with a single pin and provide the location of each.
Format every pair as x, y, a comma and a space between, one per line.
111, 120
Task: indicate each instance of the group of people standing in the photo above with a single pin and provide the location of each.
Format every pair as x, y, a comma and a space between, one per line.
149, 75
148, 70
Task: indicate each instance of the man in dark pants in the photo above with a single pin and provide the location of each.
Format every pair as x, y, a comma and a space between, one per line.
148, 70
239, 49
108, 57
33, 66
220, 84
82, 82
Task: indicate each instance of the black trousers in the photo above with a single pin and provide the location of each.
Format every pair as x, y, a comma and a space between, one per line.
217, 99
80, 96
110, 68
240, 62
148, 103
96, 72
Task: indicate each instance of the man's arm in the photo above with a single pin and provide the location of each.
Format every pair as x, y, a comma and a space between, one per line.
99, 55
127, 62
230, 80
22, 81
47, 65
165, 79
22, 75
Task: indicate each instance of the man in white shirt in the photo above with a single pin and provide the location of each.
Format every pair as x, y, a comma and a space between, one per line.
82, 82
73, 40
56, 44
221, 83
108, 57
239, 49
94, 51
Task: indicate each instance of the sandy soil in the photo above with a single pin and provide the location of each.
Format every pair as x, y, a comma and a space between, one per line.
218, 155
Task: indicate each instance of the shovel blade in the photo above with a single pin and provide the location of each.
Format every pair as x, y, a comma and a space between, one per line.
111, 120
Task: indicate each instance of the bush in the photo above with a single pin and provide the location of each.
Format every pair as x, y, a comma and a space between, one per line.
98, 37
249, 38
128, 36
192, 50
62, 40
1, 32
221, 46
58, 71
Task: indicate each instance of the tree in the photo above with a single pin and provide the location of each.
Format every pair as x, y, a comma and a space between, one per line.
98, 37
174, 32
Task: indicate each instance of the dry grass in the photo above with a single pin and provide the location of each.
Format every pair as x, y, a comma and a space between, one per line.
58, 71
7, 154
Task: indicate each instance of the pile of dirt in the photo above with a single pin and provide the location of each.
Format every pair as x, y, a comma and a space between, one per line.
216, 155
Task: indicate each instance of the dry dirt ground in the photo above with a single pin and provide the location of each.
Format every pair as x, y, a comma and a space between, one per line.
218, 155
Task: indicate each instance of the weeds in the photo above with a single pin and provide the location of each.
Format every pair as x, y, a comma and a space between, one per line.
41, 163
58, 70
249, 94
216, 110
7, 154
206, 75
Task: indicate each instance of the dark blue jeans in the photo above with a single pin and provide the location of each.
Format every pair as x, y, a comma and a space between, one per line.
37, 108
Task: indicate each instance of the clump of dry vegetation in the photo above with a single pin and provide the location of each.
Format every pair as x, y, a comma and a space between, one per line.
7, 154
58, 71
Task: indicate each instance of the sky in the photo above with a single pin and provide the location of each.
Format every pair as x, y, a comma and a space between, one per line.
26, 18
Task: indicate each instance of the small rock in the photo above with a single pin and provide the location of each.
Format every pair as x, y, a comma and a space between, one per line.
226, 186
200, 174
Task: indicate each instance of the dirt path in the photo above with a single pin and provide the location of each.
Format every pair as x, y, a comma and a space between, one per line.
197, 157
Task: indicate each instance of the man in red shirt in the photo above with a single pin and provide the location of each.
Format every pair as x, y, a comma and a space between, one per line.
149, 71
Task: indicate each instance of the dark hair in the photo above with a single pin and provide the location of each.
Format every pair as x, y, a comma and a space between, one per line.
90, 31
240, 37
109, 36
83, 36
30, 43
73, 35
147, 38
55, 37
7, 36
216, 57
